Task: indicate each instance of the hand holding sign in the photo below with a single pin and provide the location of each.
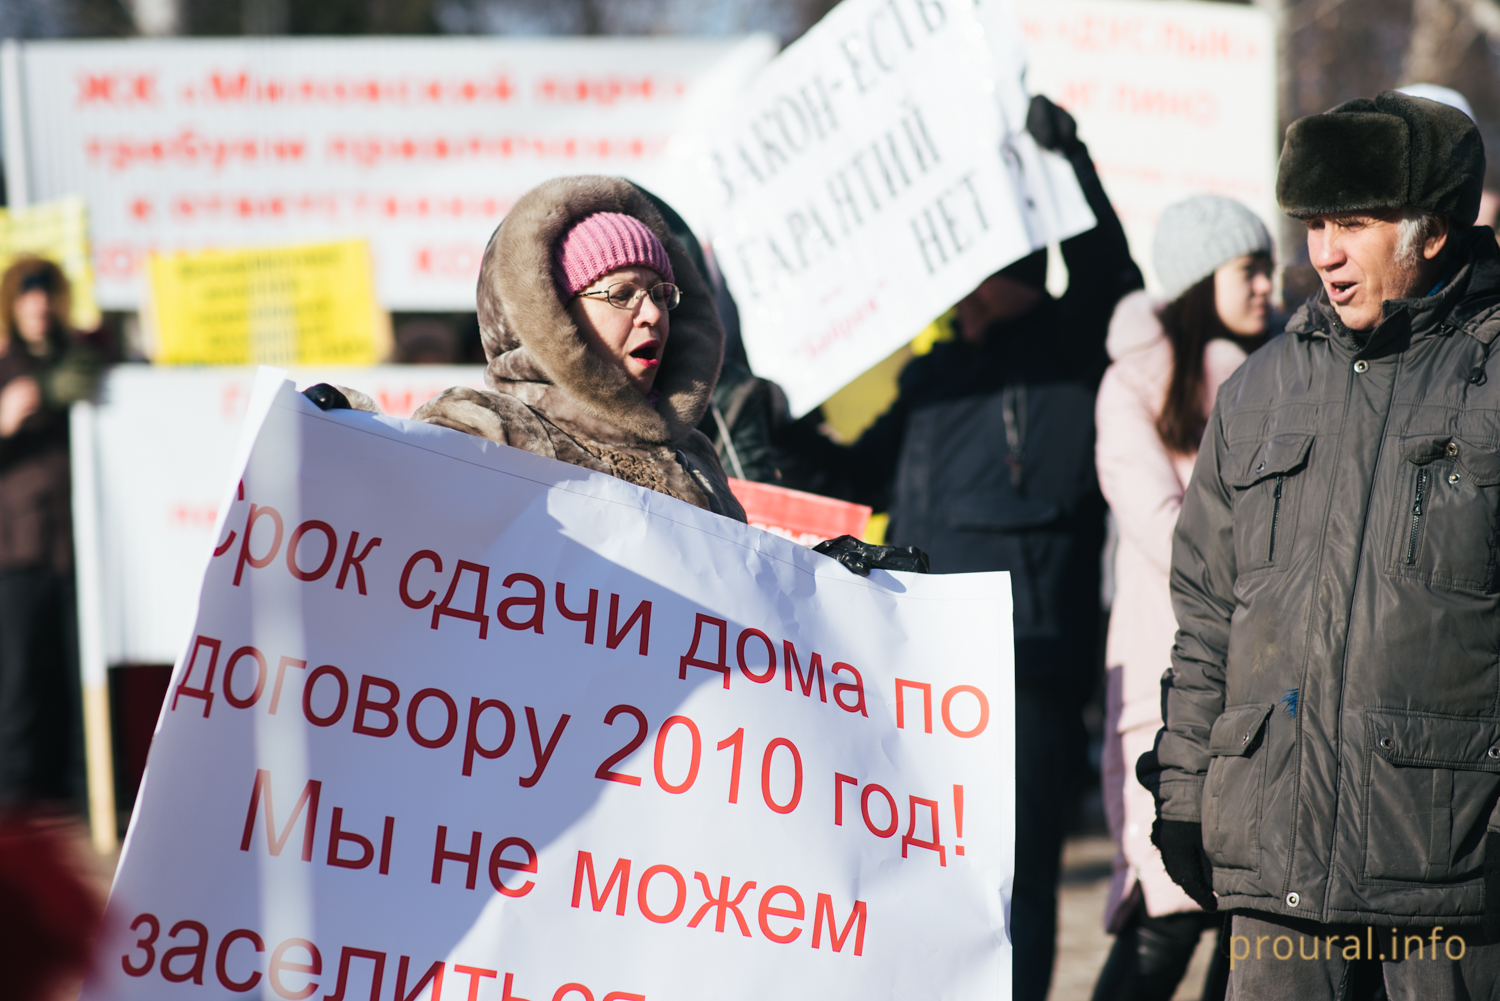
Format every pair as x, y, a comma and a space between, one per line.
873, 176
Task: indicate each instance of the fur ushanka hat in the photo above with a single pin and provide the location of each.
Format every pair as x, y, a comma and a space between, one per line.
1388, 153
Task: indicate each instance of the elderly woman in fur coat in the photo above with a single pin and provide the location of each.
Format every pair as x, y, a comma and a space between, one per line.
603, 343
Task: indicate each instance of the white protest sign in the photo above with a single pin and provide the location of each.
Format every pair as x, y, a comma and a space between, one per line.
537, 733
418, 145
162, 448
874, 174
1173, 98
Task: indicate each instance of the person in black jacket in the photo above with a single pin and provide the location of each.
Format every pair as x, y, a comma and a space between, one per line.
43, 369
986, 462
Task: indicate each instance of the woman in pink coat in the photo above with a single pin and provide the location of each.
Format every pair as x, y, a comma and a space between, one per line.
1213, 258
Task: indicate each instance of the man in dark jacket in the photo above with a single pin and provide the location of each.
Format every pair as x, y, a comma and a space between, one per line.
986, 462
1330, 762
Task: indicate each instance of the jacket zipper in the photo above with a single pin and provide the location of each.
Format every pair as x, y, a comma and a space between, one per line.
1416, 518
1275, 519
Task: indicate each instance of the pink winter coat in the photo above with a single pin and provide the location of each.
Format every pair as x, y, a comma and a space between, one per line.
1143, 484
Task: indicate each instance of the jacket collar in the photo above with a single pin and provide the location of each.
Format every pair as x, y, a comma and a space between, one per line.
1469, 299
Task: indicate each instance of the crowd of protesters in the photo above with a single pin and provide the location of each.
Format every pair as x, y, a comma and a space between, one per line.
1306, 518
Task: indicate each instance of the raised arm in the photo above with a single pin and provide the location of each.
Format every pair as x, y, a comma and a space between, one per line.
1100, 257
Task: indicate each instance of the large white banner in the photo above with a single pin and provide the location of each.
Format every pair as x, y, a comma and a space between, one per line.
458, 721
1174, 98
161, 447
874, 174
418, 145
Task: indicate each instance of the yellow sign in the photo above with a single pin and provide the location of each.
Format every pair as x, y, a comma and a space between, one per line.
58, 231
851, 410
305, 305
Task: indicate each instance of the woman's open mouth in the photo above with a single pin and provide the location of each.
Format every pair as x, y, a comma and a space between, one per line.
647, 353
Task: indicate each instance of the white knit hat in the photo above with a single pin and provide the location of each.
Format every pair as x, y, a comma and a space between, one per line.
1440, 94
1195, 237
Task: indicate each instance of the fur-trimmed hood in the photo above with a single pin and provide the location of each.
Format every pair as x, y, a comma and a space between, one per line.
537, 353
1135, 326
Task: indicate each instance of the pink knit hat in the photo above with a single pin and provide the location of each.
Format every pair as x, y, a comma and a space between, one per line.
602, 242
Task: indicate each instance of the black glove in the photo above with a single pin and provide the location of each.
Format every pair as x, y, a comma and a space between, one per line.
862, 557
327, 397
1181, 845
1492, 886
1052, 127
1148, 774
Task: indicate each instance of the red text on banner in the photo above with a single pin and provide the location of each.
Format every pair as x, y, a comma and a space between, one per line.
662, 894
205, 690
691, 658
294, 963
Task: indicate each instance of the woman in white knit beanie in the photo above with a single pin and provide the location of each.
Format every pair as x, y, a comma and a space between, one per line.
1213, 260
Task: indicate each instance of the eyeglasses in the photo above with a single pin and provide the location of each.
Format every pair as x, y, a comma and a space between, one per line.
625, 295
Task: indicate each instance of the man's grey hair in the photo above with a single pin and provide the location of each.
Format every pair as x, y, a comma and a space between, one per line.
1413, 230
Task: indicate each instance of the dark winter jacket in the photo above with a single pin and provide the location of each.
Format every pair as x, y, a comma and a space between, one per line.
1333, 706
986, 459
36, 517
750, 409
553, 395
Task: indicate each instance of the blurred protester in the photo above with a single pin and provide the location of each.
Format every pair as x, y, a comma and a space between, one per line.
1330, 759
42, 370
986, 462
746, 411
744, 408
48, 914
426, 341
1213, 258
602, 339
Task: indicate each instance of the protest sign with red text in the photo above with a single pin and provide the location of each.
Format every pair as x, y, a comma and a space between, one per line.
805, 518
418, 145
459, 721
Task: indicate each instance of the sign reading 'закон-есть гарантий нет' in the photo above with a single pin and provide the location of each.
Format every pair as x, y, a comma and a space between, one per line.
874, 173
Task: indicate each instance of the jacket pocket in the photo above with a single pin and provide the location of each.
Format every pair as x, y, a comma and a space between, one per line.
1448, 490
1267, 480
1429, 787
1232, 791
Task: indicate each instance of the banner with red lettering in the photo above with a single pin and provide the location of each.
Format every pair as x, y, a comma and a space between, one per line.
418, 145
1174, 98
807, 519
161, 476
459, 721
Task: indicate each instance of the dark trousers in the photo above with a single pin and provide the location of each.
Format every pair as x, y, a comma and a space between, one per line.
40, 711
1050, 750
1151, 954
1276, 969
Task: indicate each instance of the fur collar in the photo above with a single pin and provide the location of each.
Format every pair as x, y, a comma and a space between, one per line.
530, 338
